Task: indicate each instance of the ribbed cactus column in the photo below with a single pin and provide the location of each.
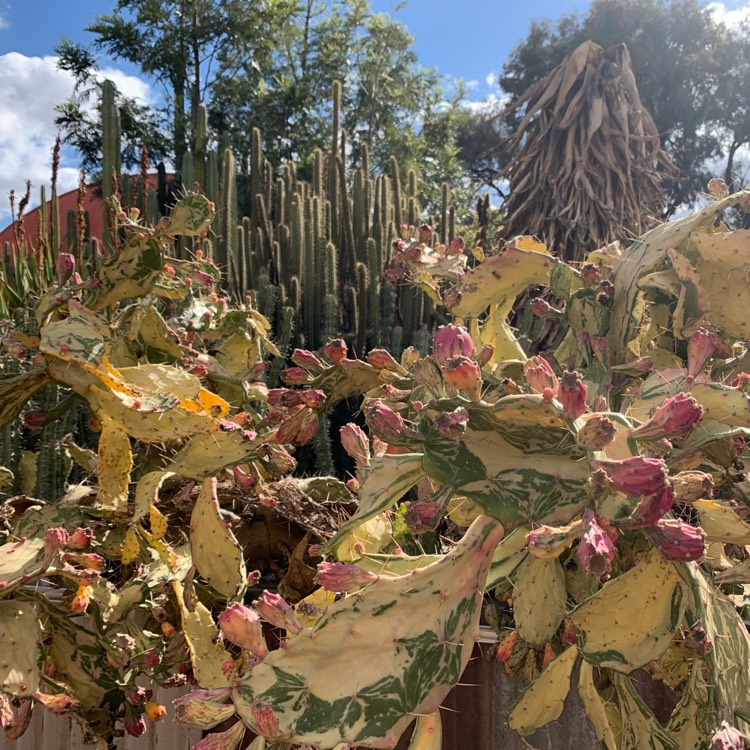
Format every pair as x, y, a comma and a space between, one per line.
110, 159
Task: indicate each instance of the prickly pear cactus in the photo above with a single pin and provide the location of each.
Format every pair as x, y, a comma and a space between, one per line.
216, 552
20, 635
409, 654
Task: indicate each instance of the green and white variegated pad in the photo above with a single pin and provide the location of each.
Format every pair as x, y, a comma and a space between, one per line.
377, 658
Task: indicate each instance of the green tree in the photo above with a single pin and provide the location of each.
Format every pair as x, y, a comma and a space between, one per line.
79, 117
686, 68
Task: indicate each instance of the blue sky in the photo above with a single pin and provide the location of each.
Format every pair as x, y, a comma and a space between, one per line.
467, 39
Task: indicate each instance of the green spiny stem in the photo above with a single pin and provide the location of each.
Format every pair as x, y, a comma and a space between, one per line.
331, 317
283, 344
228, 220
397, 198
452, 223
322, 444
110, 159
318, 172
331, 269
375, 266
350, 309
388, 312
311, 281
349, 245
363, 297
201, 145
268, 184
256, 169
412, 212
360, 211
279, 204
187, 173
211, 188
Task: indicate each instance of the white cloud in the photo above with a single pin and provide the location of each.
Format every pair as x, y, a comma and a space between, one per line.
491, 80
3, 15
31, 87
730, 17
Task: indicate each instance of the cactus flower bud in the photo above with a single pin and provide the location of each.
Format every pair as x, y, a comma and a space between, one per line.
572, 394
203, 278
80, 538
452, 424
204, 709
635, 476
423, 515
485, 354
701, 346
155, 711
241, 625
87, 560
677, 541
542, 309
34, 420
296, 376
675, 417
690, 486
275, 610
451, 341
343, 577
726, 737
596, 550
307, 360
598, 432
382, 360
505, 649
549, 542
336, 350
539, 374
464, 374
54, 540
355, 443
742, 381
64, 266
59, 704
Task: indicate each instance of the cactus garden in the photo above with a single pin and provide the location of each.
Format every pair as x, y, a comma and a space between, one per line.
284, 437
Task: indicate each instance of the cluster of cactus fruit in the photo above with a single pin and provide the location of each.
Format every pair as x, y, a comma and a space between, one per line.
606, 474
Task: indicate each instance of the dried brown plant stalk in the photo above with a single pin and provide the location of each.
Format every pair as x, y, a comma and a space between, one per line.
590, 166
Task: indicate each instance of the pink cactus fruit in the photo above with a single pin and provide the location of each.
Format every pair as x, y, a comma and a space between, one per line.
452, 424
539, 374
299, 429
451, 341
701, 346
336, 350
505, 649
34, 420
241, 625
264, 720
464, 374
677, 540
596, 550
636, 476
243, 480
343, 577
423, 515
54, 541
307, 360
313, 398
551, 541
690, 486
596, 433
542, 309
64, 266
383, 360
571, 393
355, 443
485, 354
296, 376
653, 507
674, 418
275, 610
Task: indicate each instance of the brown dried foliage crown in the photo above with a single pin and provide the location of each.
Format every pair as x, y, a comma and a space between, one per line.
590, 166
